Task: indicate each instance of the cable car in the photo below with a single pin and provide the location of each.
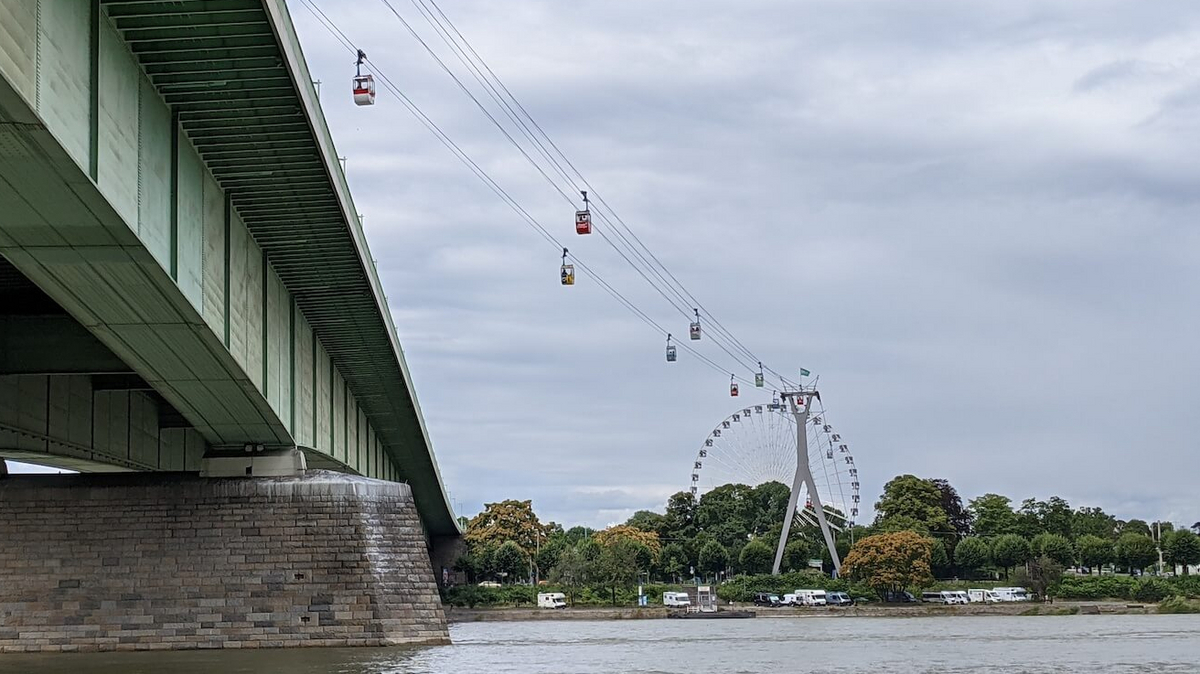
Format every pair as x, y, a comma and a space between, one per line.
854, 512
364, 85
671, 356
759, 380
733, 387
583, 219
568, 271
694, 329
829, 454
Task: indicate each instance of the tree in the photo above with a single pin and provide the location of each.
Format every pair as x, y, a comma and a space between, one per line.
624, 532
972, 554
1054, 546
547, 556
728, 512
1138, 527
673, 560
572, 570
909, 496
1135, 551
507, 521
993, 515
771, 499
648, 520
1010, 550
796, 554
619, 564
1037, 517
1182, 548
511, 562
680, 516
958, 516
939, 559
1094, 522
576, 534
757, 557
890, 562
1094, 551
713, 557
1040, 575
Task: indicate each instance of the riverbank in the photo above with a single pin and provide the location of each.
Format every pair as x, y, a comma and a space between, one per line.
512, 614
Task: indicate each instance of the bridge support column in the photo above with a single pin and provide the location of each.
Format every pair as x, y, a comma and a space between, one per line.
140, 561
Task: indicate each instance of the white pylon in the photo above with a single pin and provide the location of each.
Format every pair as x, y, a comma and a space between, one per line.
799, 402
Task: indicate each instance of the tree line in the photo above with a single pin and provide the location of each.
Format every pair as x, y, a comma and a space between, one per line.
734, 529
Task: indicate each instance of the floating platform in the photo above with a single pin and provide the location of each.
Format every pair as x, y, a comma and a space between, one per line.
702, 615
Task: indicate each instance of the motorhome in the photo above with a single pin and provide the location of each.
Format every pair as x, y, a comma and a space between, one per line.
552, 600
790, 599
678, 599
982, 596
1011, 594
960, 597
812, 597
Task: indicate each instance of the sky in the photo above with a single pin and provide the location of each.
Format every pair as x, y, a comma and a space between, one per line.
976, 222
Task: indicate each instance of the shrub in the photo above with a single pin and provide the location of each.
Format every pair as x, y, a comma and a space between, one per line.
1177, 604
1152, 590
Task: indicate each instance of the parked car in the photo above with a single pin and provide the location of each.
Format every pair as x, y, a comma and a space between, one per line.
838, 599
766, 599
811, 597
943, 597
1011, 594
900, 597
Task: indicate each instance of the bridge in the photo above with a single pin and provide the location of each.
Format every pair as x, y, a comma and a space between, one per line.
182, 268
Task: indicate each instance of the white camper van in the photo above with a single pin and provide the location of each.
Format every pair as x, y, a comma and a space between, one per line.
811, 597
1011, 594
552, 600
983, 596
677, 599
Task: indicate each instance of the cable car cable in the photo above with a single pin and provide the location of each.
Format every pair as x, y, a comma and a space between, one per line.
442, 27
331, 27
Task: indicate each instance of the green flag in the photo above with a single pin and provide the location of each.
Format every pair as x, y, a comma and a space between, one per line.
804, 373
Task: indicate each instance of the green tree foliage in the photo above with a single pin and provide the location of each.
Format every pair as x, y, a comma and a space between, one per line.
649, 521
1181, 547
939, 559
771, 499
511, 562
1039, 575
576, 534
1038, 517
572, 571
910, 497
1054, 546
993, 515
674, 561
756, 557
680, 516
549, 552
728, 513
890, 562
713, 557
797, 553
972, 554
1010, 550
619, 564
1138, 527
1094, 551
1135, 551
1094, 522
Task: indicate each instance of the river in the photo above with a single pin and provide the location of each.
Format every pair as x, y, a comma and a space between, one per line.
947, 645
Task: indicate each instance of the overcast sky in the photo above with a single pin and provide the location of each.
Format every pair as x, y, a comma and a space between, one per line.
977, 222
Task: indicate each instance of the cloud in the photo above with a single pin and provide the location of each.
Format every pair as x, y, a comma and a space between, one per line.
975, 221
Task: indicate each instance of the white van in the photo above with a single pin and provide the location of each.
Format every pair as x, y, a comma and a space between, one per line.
552, 600
943, 597
791, 600
676, 599
812, 597
960, 597
983, 596
1011, 594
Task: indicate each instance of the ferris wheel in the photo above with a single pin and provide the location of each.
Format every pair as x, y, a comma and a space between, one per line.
758, 444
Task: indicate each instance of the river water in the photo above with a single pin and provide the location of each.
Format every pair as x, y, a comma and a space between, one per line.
975, 644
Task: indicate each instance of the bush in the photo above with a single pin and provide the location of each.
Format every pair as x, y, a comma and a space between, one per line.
1096, 587
1177, 604
1152, 590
